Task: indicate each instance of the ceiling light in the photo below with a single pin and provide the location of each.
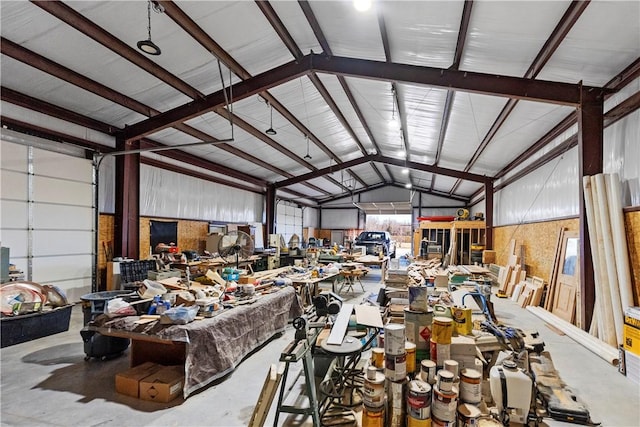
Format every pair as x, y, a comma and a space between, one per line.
271, 130
147, 46
394, 123
407, 185
401, 153
405, 171
307, 157
362, 5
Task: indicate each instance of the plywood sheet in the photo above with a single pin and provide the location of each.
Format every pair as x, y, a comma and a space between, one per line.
368, 315
191, 235
105, 237
539, 241
632, 225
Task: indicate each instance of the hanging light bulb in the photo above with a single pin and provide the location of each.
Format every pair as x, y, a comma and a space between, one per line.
308, 156
271, 130
147, 46
405, 171
408, 185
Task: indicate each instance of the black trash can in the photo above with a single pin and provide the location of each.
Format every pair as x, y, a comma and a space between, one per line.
96, 345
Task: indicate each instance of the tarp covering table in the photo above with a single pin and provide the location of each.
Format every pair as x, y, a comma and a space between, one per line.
215, 346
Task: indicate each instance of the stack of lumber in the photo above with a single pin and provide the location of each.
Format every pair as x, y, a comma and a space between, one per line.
397, 278
605, 219
512, 274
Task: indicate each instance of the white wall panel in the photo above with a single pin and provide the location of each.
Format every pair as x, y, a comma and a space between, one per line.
57, 268
14, 214
48, 163
168, 194
16, 241
53, 190
107, 185
622, 156
61, 242
14, 185
12, 156
47, 215
550, 191
310, 217
339, 218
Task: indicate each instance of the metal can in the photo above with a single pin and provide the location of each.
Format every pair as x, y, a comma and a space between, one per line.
419, 400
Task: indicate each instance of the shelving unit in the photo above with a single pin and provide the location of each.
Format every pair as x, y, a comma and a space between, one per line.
459, 235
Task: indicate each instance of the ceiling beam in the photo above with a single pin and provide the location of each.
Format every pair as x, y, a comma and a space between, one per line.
44, 107
430, 168
52, 135
466, 81
50, 67
76, 20
324, 171
539, 90
448, 103
622, 79
568, 20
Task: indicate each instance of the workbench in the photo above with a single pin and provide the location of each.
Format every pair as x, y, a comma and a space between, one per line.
208, 348
308, 286
383, 263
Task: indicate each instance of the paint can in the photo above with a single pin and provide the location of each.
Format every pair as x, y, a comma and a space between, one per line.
440, 353
451, 366
418, 298
377, 357
373, 417
441, 330
428, 371
395, 403
436, 422
395, 366
418, 330
470, 386
468, 415
381, 339
394, 339
415, 422
488, 422
410, 349
462, 322
373, 388
444, 405
445, 381
419, 400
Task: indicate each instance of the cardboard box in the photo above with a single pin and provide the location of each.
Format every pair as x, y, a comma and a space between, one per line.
631, 330
128, 382
164, 385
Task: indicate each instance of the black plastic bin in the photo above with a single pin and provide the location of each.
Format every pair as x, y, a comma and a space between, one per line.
96, 345
27, 327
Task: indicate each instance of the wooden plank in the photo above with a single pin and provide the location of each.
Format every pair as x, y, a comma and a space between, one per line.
339, 328
368, 315
267, 395
554, 270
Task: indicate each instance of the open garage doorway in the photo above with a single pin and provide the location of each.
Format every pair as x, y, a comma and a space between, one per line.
398, 225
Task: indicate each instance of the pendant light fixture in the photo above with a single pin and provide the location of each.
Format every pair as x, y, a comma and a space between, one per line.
308, 156
271, 130
147, 46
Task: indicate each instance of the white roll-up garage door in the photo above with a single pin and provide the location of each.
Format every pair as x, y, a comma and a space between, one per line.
47, 216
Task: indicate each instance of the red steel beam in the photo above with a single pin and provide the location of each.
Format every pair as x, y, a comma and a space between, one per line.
127, 201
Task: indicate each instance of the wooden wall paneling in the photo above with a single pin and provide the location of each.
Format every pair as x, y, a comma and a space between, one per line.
538, 240
632, 226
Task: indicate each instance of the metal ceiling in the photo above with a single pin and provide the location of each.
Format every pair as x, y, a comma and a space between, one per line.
330, 76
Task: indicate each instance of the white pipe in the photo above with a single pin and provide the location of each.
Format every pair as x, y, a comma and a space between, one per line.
614, 195
616, 303
605, 351
607, 331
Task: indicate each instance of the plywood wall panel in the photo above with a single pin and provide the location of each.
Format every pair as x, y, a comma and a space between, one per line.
105, 236
192, 235
632, 225
539, 240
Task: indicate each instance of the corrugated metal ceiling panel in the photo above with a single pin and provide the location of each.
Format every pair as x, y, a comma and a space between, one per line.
599, 45
504, 37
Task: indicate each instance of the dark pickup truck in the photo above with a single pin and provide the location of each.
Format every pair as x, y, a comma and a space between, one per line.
376, 241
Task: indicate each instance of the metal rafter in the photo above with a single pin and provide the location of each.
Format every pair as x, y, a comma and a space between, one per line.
279, 27
622, 79
558, 34
448, 103
50, 67
90, 29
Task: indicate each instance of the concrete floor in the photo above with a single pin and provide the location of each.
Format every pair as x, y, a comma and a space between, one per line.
47, 382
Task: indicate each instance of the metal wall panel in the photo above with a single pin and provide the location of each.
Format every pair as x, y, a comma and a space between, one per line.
622, 156
339, 219
310, 217
14, 185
